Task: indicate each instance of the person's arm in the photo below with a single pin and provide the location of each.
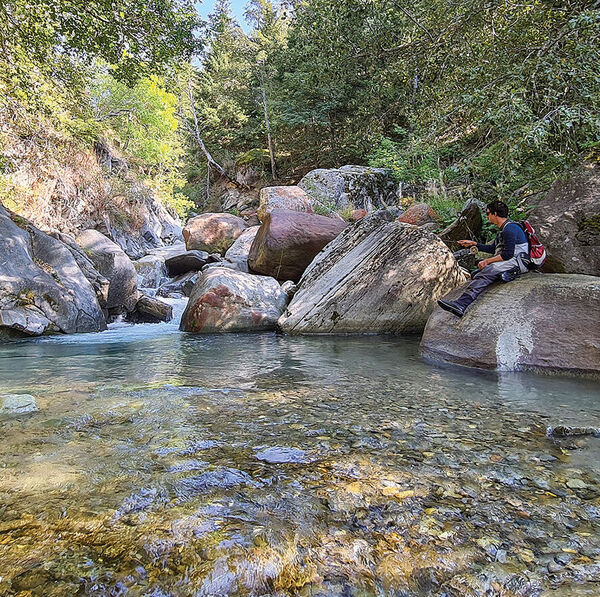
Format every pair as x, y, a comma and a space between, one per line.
493, 259
491, 248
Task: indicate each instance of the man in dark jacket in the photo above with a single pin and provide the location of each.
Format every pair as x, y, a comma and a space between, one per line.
511, 253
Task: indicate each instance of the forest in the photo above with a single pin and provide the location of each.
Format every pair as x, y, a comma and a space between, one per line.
461, 99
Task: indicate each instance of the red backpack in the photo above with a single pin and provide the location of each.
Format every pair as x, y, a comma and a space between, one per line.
537, 251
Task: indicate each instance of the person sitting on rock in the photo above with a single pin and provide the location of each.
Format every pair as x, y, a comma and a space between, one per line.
511, 254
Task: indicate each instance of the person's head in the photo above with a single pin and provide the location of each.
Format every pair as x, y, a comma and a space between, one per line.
497, 212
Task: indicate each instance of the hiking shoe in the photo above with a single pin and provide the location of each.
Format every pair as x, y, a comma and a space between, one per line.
452, 306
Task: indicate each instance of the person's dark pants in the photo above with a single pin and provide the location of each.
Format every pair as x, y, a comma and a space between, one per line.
482, 279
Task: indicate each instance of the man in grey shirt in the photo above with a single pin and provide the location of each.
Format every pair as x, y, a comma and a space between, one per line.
511, 253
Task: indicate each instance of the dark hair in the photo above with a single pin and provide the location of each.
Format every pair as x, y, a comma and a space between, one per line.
499, 208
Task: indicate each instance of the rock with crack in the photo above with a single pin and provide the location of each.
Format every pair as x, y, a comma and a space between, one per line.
42, 288
378, 276
113, 264
467, 226
547, 322
226, 300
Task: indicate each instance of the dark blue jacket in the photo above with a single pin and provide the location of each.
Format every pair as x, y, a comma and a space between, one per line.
510, 234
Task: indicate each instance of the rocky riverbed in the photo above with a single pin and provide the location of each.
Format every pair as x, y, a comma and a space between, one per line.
271, 465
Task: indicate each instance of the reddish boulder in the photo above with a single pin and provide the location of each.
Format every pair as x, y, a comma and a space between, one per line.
212, 232
288, 241
293, 198
224, 300
357, 214
419, 214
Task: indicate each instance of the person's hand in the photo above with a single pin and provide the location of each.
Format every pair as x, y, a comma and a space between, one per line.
466, 243
482, 263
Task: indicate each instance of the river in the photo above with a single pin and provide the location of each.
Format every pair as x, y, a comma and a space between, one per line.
165, 464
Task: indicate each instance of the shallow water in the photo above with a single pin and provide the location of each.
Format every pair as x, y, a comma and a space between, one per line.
162, 463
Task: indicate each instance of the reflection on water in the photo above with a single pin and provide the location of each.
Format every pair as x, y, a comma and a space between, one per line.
162, 463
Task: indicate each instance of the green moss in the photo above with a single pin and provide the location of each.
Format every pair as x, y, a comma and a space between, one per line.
20, 221
25, 297
591, 224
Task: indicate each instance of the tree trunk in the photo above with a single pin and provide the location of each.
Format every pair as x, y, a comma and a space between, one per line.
268, 124
195, 132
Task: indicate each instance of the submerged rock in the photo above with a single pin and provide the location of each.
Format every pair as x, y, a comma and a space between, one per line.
288, 241
547, 322
378, 276
225, 300
42, 288
17, 404
282, 454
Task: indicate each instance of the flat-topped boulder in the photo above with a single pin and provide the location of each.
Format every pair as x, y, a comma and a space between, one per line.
42, 288
190, 261
225, 300
281, 197
110, 260
288, 241
377, 276
350, 187
213, 232
545, 322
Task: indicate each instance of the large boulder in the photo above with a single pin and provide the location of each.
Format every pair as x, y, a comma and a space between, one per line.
288, 241
350, 187
99, 283
567, 221
293, 198
115, 266
213, 232
42, 289
238, 253
225, 300
548, 322
379, 275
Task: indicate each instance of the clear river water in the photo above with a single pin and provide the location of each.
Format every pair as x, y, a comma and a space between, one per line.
164, 464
